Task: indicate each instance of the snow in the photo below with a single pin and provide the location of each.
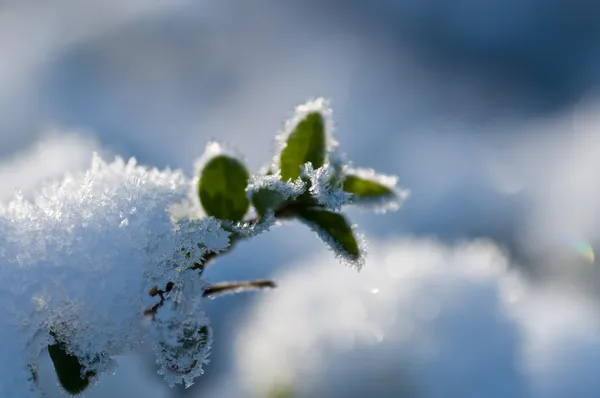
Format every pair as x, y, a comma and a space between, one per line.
79, 260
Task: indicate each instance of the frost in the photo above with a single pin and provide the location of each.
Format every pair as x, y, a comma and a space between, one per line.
381, 204
326, 187
214, 149
253, 228
80, 259
186, 245
337, 159
287, 189
182, 341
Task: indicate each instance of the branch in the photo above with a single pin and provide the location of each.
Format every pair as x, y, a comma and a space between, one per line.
155, 291
237, 287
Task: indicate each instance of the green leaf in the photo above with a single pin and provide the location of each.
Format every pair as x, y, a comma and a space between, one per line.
266, 199
332, 226
366, 189
69, 369
305, 144
222, 188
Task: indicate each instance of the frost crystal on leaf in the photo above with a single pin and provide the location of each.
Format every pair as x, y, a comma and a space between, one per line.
326, 187
186, 245
182, 340
272, 182
79, 260
249, 229
214, 149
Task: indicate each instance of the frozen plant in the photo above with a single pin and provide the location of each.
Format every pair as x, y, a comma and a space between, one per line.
102, 261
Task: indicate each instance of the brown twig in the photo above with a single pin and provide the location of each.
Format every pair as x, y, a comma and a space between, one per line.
282, 213
237, 287
155, 291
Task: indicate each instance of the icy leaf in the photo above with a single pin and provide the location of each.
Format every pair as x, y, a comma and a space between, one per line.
334, 229
69, 369
305, 144
377, 192
363, 188
222, 188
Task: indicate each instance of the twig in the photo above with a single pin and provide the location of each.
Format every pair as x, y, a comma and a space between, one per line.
155, 291
282, 213
237, 287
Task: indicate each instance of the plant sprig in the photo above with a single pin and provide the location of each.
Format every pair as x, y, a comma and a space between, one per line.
307, 181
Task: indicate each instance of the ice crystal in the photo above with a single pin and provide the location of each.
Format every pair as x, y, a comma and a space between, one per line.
326, 186
253, 228
272, 182
182, 341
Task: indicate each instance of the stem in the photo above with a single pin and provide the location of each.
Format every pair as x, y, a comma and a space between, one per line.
237, 287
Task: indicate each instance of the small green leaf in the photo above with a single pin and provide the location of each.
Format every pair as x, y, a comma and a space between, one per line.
69, 369
335, 226
266, 199
305, 144
366, 189
222, 188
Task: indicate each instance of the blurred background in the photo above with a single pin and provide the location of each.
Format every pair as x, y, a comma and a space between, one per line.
483, 285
